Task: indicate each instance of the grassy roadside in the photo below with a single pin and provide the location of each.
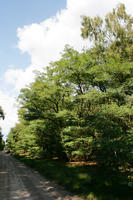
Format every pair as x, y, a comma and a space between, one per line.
89, 181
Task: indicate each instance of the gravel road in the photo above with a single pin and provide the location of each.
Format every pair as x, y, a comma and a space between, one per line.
18, 182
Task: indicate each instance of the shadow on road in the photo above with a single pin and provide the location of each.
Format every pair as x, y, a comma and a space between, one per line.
17, 182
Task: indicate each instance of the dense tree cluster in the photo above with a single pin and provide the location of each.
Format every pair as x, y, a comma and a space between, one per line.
2, 143
81, 107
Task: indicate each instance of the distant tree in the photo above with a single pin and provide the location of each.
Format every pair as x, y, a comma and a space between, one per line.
2, 113
2, 143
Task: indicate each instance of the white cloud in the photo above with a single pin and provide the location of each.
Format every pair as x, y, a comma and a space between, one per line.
44, 42
9, 106
19, 78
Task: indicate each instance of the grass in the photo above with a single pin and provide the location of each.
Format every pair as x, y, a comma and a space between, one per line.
88, 181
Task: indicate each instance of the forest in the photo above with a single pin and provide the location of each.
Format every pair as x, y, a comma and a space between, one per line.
80, 108
76, 118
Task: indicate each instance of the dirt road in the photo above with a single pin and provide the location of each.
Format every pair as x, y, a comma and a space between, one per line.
18, 182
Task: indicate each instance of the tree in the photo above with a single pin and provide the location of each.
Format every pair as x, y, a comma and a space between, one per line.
114, 34
112, 83
40, 103
2, 113
2, 143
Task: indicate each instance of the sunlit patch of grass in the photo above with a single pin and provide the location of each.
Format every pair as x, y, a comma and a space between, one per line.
84, 176
91, 196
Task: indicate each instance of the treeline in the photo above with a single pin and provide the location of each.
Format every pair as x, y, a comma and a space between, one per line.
2, 143
81, 107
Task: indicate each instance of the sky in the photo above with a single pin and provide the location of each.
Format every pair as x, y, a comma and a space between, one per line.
32, 34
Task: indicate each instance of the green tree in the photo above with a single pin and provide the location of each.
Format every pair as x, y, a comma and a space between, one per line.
40, 103
114, 34
81, 108
2, 143
112, 79
2, 113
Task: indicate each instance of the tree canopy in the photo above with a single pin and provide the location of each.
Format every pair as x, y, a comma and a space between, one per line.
81, 107
1, 136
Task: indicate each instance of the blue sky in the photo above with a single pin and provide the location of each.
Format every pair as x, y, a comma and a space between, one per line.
34, 33
17, 13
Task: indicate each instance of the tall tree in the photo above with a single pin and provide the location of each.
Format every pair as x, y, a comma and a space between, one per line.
114, 34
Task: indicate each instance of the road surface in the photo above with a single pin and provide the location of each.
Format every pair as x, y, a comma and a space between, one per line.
18, 182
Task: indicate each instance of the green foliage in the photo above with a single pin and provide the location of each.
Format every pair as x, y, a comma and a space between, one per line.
2, 113
77, 142
81, 108
2, 143
114, 34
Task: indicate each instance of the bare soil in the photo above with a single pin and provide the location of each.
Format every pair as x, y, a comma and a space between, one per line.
18, 182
